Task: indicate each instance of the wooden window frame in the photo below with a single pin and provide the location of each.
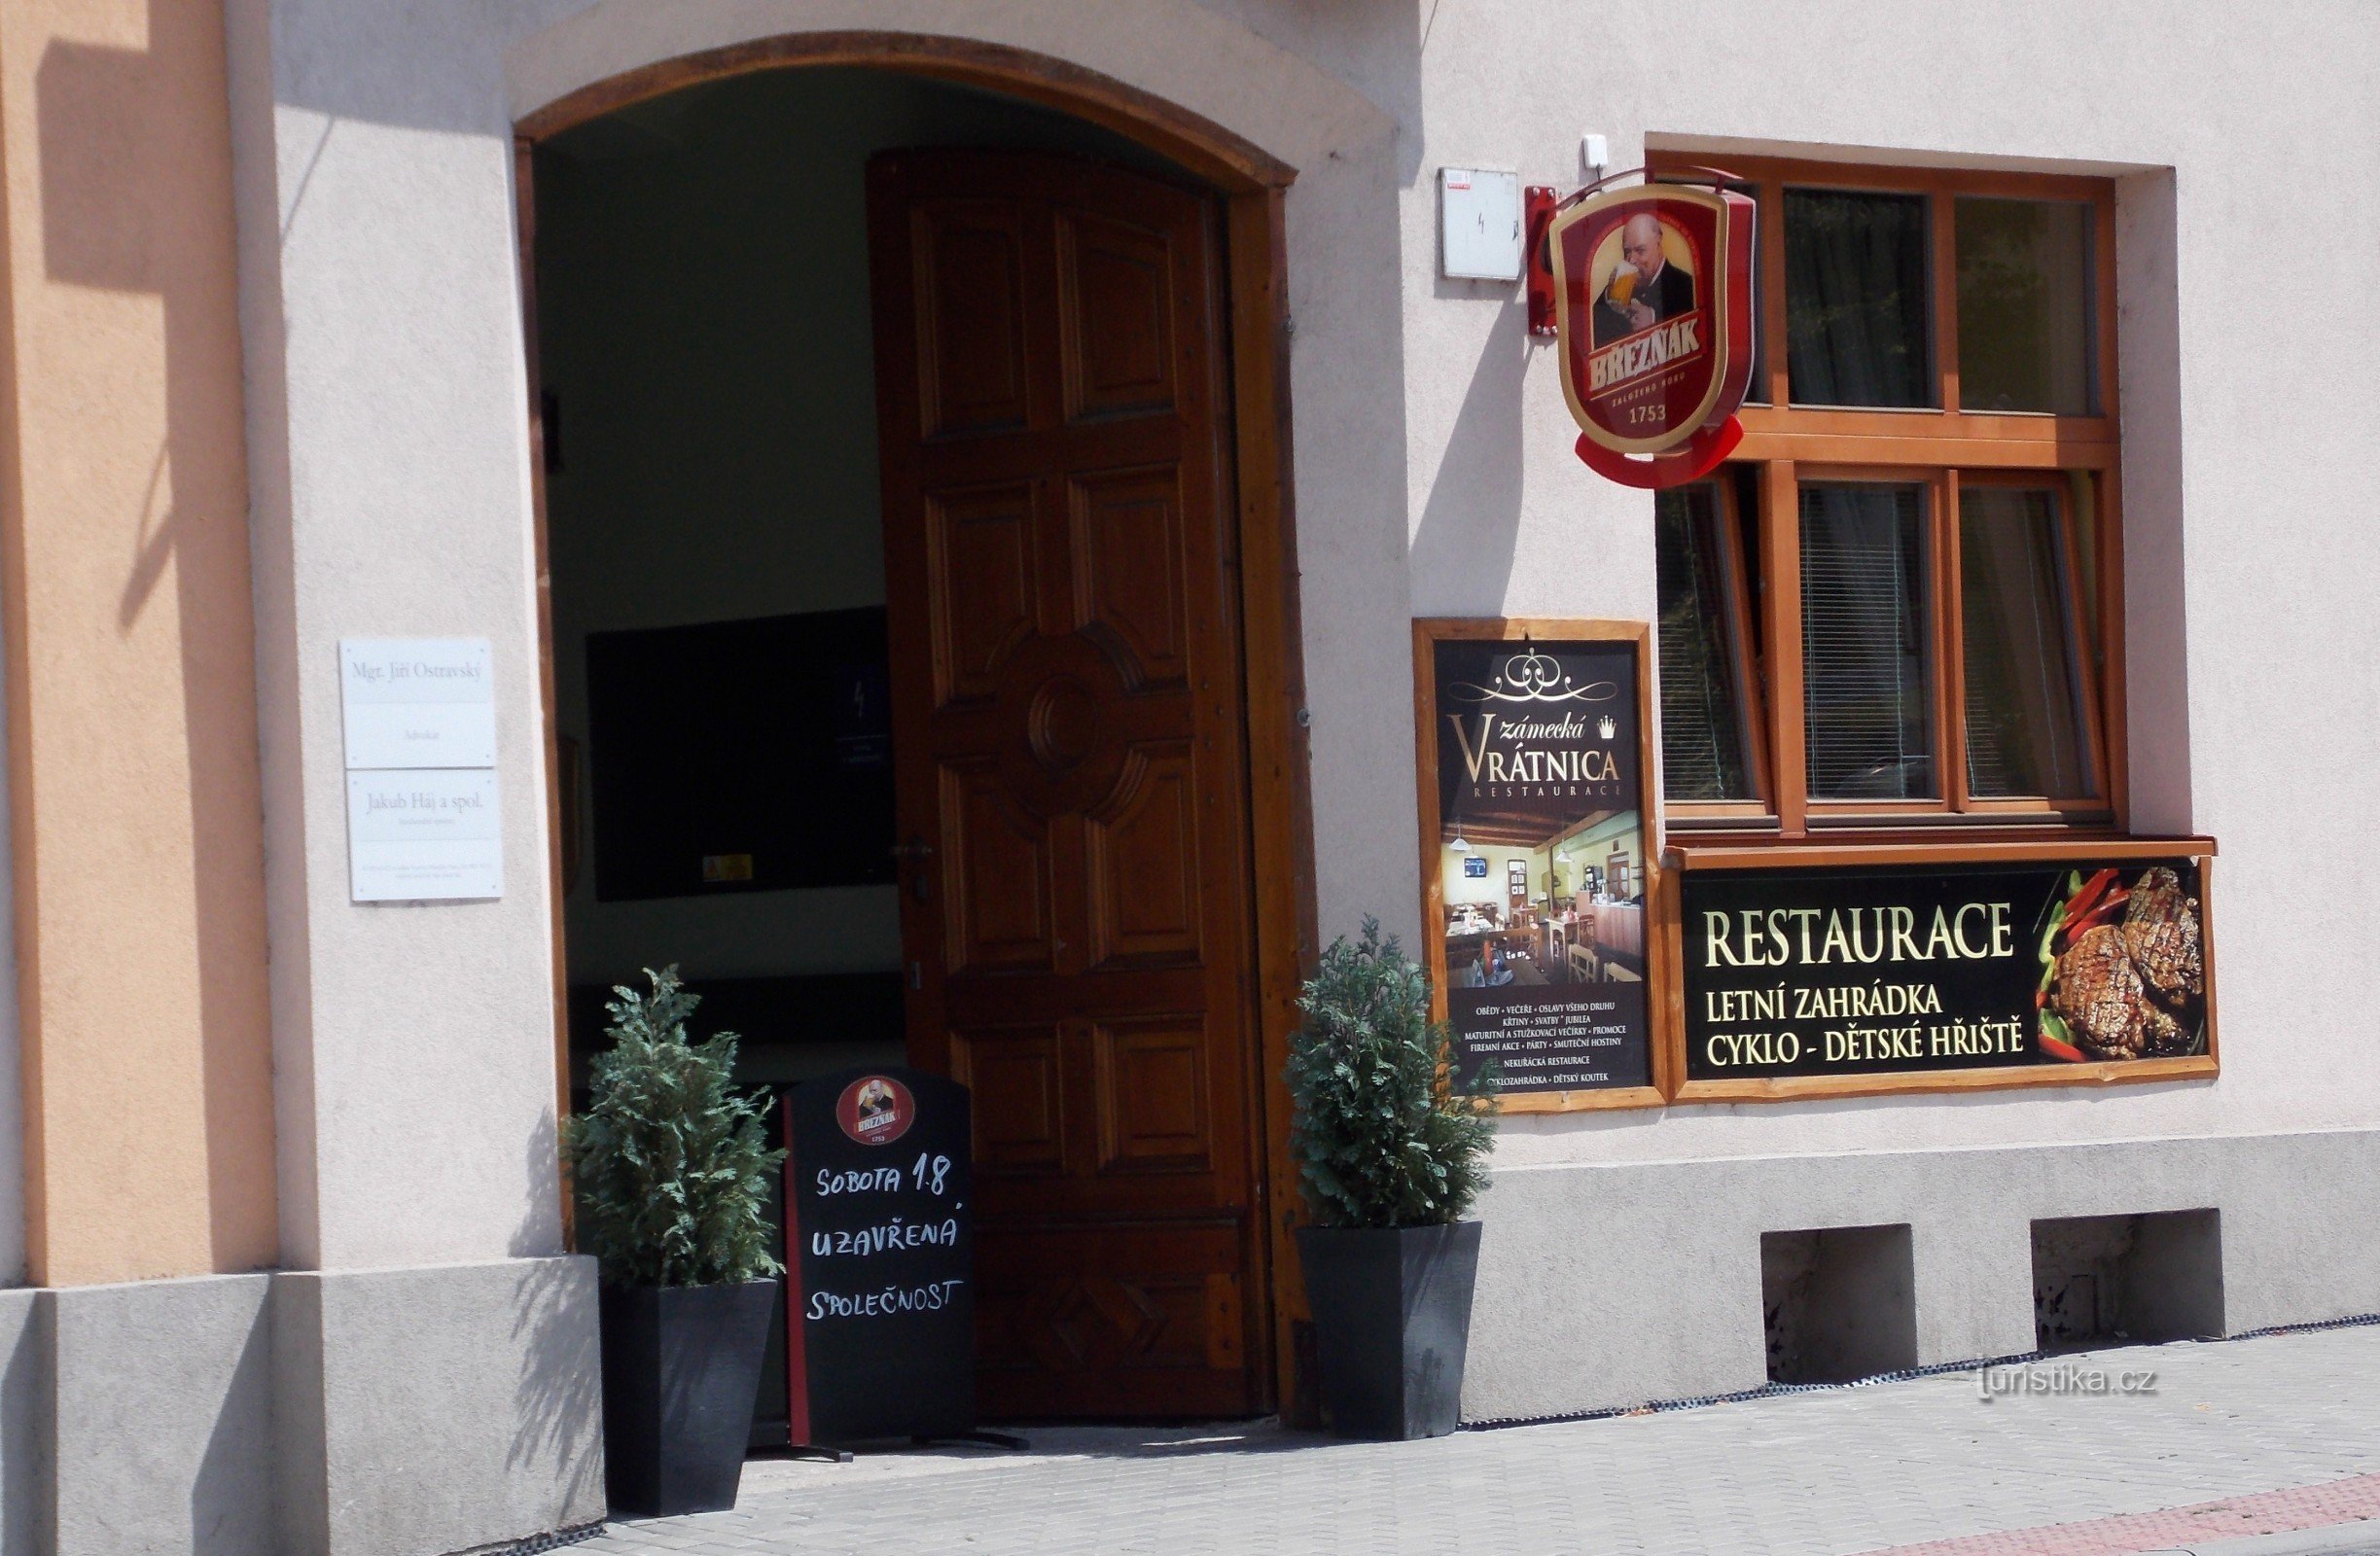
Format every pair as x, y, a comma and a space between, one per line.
1942, 448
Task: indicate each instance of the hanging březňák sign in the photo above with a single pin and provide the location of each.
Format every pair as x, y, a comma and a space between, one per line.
1653, 302
1538, 862
1861, 972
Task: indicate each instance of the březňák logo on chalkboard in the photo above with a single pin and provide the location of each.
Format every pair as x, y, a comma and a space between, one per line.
876, 1110
1541, 861
1866, 972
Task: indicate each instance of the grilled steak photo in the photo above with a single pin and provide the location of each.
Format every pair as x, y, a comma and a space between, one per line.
2161, 932
2161, 1034
2099, 995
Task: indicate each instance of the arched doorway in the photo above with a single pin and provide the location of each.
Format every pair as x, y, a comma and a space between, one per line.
1108, 963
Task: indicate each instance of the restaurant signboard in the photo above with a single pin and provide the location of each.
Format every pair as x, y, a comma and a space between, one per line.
1835, 973
1653, 299
879, 1260
1536, 850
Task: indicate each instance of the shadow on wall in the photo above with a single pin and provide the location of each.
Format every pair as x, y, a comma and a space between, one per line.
2156, 613
557, 1410
27, 1339
1471, 522
535, 1237
230, 1497
137, 197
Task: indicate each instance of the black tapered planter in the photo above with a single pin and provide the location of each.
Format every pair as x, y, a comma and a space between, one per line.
1392, 1321
681, 1369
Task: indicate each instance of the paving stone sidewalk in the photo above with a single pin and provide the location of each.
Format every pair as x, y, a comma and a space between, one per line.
1823, 1473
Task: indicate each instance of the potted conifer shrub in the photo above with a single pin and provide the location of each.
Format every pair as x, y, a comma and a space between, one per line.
672, 1177
1390, 1155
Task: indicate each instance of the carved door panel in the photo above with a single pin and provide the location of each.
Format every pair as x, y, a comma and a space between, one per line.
1068, 717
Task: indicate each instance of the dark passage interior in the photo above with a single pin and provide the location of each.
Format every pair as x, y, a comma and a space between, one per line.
718, 550
2119, 1280
1839, 1303
718, 541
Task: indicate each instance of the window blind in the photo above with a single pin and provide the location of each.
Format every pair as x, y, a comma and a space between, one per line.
1867, 730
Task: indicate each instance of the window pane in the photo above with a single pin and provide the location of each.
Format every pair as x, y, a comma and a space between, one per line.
1703, 738
1756, 392
1746, 559
2024, 723
1870, 729
2083, 511
1855, 299
2025, 305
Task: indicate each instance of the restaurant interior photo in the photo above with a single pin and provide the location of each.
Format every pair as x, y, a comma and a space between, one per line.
1527, 909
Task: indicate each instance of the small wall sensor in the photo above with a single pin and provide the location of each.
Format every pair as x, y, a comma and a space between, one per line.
1595, 152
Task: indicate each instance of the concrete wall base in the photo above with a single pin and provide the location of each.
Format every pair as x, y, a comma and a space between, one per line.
160, 1418
1614, 1285
406, 1412
436, 1409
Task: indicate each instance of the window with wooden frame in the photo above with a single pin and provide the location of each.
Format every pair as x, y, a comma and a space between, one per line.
1899, 606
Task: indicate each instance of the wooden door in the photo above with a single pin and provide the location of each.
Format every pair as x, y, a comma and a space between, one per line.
1068, 734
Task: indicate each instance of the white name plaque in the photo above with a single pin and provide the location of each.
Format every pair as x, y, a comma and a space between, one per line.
424, 834
420, 727
418, 702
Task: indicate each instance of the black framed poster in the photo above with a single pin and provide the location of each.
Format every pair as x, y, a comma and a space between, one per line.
2036, 970
1537, 846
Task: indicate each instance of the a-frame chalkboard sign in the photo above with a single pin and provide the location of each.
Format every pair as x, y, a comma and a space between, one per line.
881, 1311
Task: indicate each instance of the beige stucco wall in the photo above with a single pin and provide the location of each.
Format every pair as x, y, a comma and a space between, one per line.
131, 726
2250, 639
1433, 471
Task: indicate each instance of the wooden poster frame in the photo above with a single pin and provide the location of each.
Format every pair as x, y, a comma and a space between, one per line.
1686, 859
1665, 1044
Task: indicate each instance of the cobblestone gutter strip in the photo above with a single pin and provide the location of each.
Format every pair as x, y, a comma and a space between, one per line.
1770, 1391
539, 1544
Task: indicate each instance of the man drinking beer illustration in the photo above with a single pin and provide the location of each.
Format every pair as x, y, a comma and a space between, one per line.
1643, 288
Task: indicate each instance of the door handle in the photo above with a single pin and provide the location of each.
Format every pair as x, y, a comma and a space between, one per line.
918, 850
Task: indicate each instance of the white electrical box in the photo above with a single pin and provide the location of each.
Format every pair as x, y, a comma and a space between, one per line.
1480, 224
